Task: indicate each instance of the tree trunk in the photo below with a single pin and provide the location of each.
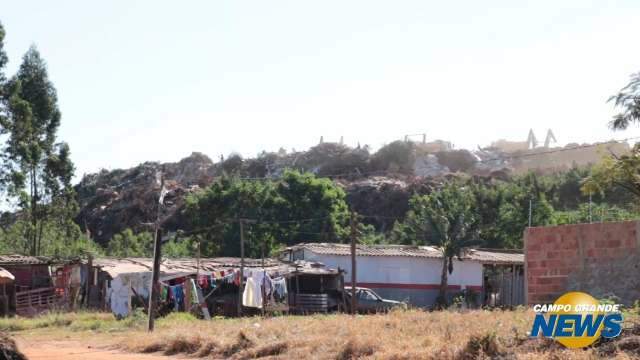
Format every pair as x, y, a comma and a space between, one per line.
444, 283
34, 219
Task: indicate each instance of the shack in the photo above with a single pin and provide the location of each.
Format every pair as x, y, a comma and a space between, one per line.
412, 273
211, 286
41, 283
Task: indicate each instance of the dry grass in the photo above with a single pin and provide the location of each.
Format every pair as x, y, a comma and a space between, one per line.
398, 335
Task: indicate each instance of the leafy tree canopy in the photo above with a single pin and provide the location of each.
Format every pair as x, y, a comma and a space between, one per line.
276, 206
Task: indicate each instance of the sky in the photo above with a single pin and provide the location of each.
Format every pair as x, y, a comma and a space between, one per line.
156, 80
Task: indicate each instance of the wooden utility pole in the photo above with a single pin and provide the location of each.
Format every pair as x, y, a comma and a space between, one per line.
241, 285
157, 255
354, 301
263, 289
89, 280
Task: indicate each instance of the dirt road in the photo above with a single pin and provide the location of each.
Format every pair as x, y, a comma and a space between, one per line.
74, 350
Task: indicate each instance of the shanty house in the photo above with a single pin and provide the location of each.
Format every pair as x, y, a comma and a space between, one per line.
412, 273
121, 282
41, 283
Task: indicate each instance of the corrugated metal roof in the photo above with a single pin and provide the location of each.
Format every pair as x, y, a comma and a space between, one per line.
187, 266
497, 256
24, 260
488, 256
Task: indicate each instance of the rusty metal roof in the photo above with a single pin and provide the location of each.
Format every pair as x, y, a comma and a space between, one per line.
488, 256
15, 259
188, 266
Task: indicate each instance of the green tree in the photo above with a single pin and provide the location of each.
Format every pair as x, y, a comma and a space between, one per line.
628, 99
276, 207
616, 172
3, 59
446, 219
397, 156
37, 169
503, 209
128, 244
56, 239
595, 213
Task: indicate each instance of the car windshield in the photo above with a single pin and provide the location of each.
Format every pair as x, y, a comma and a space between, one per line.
367, 295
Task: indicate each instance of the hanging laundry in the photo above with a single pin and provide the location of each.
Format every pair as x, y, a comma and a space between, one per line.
268, 285
179, 296
279, 289
252, 295
164, 294
203, 281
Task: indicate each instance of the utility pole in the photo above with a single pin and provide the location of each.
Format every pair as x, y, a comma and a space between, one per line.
590, 213
198, 259
264, 291
157, 255
530, 210
354, 301
241, 222
240, 286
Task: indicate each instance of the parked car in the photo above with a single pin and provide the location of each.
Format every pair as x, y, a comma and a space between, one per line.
370, 302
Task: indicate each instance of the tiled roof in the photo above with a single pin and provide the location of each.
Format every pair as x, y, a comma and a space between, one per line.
488, 256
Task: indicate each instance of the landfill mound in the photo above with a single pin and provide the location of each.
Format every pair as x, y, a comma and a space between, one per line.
112, 201
377, 184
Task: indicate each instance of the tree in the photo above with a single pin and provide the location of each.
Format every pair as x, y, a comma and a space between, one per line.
628, 98
445, 219
616, 172
503, 209
3, 58
37, 169
296, 208
128, 244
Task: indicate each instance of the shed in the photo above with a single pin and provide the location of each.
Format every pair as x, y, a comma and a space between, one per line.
412, 273
119, 280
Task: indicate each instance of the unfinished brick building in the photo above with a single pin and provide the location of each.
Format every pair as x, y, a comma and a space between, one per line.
602, 259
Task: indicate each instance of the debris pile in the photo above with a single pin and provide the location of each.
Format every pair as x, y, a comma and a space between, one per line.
378, 184
111, 201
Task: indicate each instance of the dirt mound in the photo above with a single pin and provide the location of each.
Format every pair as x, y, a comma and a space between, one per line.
8, 348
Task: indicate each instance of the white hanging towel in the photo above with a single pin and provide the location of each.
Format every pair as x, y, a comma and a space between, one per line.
252, 295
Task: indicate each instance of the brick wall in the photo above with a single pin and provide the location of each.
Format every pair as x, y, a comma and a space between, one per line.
601, 259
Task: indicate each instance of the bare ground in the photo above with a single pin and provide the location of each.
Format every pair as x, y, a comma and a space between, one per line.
76, 350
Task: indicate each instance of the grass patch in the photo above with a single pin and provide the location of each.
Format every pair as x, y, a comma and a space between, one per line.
74, 321
355, 350
410, 334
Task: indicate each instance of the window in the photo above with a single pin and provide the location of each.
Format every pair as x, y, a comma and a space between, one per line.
367, 295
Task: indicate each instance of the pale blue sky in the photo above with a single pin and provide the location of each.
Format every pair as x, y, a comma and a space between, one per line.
156, 80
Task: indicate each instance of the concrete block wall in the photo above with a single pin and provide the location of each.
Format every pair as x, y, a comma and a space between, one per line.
601, 259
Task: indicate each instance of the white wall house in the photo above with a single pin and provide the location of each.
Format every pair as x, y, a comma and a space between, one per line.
402, 272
